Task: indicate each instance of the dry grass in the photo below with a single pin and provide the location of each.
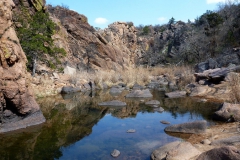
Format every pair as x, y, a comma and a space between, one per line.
234, 86
140, 75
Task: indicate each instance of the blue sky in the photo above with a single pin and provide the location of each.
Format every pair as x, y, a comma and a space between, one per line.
101, 13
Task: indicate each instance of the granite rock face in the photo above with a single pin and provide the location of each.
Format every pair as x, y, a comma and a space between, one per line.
88, 49
16, 101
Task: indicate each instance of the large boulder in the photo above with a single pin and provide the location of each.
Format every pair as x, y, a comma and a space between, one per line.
216, 75
175, 151
139, 94
228, 112
189, 127
222, 153
209, 64
70, 89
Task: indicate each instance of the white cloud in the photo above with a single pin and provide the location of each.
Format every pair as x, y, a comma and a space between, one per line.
101, 20
214, 1
162, 19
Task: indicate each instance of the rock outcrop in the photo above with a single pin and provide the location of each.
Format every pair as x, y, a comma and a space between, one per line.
18, 108
113, 48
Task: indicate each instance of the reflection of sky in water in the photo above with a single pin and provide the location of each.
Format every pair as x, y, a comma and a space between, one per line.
110, 133
77, 128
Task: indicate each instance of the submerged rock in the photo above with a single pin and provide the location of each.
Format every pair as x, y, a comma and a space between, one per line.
112, 103
165, 122
131, 131
190, 127
115, 153
139, 94
175, 151
224, 153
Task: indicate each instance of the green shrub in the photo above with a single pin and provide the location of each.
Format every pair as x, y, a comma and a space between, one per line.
146, 30
35, 37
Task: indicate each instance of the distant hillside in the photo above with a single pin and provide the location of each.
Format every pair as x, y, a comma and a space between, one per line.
56, 37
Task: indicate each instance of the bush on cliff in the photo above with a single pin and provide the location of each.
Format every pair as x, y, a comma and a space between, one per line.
35, 36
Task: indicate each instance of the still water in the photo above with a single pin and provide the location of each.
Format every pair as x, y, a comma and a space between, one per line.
78, 129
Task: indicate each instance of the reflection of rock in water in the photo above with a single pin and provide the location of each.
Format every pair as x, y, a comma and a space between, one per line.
182, 106
63, 127
180, 135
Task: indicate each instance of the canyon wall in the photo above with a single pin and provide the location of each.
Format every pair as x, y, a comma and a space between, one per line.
18, 108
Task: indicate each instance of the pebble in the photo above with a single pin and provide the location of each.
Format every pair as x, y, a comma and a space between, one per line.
115, 153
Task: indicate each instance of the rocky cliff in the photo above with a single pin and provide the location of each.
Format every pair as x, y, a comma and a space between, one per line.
113, 48
18, 108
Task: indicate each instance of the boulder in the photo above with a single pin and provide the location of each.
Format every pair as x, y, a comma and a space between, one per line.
226, 141
69, 70
70, 89
153, 85
225, 60
209, 64
200, 91
152, 102
222, 153
189, 127
115, 91
137, 87
139, 94
176, 94
112, 103
216, 75
175, 151
228, 112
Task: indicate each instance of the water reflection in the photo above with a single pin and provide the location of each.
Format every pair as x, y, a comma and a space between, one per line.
77, 128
